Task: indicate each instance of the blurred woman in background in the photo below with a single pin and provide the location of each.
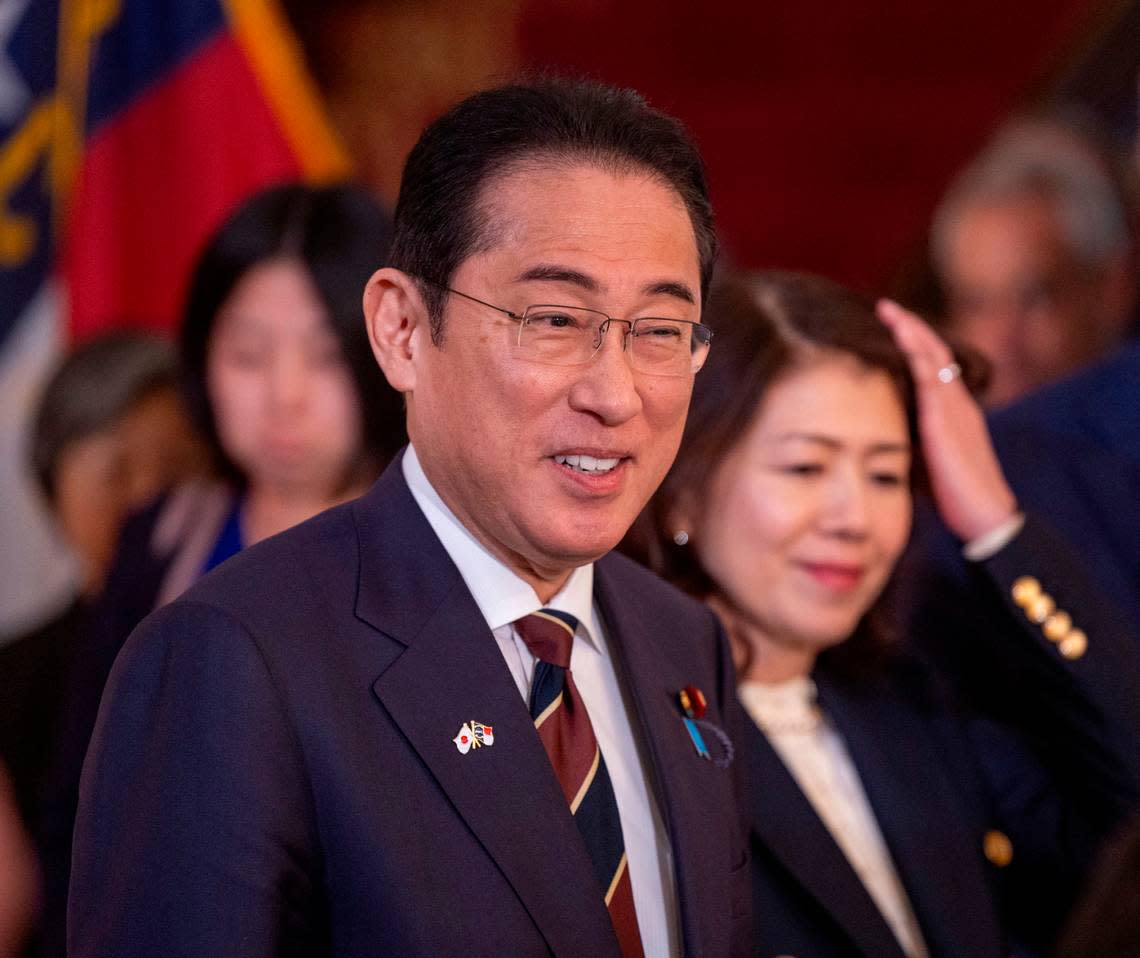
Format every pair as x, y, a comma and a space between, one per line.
876, 826
110, 433
279, 377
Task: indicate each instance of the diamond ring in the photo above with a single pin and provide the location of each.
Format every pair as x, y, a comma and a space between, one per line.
949, 372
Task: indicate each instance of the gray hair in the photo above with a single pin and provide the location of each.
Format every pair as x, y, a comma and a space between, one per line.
94, 388
1051, 160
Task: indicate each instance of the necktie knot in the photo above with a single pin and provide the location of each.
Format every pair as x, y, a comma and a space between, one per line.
549, 634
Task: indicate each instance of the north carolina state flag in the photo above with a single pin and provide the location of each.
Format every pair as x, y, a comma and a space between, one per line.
189, 107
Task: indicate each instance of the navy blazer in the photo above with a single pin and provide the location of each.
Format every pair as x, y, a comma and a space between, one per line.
1099, 405
273, 772
1052, 783
1071, 452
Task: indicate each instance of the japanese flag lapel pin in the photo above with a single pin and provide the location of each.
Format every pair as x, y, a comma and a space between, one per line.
474, 735
464, 739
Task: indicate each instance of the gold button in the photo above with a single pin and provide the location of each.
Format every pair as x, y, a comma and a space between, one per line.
1074, 645
998, 848
1041, 608
1025, 590
1057, 626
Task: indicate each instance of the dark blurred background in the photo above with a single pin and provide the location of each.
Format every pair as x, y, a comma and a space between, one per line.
829, 130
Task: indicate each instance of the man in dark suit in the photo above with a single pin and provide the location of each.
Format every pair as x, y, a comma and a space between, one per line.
326, 746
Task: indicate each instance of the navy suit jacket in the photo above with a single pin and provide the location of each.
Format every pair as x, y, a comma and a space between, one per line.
273, 771
1055, 780
1071, 452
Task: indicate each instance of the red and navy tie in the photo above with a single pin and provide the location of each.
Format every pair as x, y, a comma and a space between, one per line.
564, 727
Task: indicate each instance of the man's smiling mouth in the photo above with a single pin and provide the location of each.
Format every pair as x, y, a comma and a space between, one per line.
588, 464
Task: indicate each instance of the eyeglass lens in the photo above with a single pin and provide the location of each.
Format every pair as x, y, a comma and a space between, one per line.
568, 335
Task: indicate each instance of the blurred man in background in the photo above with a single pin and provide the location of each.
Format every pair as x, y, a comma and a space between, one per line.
1033, 248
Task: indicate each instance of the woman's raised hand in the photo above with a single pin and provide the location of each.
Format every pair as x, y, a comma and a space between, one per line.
969, 486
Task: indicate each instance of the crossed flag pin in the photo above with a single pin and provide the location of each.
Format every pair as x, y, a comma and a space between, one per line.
473, 735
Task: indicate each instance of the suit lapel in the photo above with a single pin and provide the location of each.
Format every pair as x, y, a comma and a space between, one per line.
933, 848
450, 672
693, 816
784, 820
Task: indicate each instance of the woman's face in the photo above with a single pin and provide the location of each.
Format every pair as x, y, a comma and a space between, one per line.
282, 394
805, 518
103, 477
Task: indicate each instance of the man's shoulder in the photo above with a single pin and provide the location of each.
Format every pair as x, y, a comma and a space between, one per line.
284, 568
289, 602
1098, 404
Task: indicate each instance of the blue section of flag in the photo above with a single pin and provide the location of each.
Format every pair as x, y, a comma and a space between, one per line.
27, 72
31, 49
19, 284
149, 39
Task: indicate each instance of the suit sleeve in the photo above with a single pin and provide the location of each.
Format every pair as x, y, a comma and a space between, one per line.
1047, 670
195, 827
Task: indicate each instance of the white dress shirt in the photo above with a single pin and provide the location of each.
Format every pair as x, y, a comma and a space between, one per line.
503, 597
814, 753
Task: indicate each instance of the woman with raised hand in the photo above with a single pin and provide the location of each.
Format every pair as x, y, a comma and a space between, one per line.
884, 822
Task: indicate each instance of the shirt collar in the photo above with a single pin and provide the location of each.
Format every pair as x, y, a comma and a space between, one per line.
501, 595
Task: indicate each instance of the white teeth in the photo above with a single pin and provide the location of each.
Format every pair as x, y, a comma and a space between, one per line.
587, 463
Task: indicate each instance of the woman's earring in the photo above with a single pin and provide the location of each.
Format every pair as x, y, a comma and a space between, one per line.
681, 537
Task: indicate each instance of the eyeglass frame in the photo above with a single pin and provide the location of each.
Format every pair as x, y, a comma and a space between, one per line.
603, 328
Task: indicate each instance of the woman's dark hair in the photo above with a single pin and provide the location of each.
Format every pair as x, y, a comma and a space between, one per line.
339, 235
765, 325
92, 390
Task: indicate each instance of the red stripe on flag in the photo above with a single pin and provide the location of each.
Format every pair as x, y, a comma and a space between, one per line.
157, 180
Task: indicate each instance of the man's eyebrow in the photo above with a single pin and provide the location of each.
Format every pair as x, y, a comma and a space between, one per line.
551, 273
671, 288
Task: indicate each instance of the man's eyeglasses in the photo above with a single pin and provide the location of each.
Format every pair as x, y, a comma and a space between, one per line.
571, 335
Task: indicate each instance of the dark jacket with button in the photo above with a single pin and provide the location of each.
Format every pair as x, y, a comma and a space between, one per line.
991, 820
273, 771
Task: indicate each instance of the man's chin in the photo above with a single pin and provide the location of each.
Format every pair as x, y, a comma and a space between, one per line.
571, 551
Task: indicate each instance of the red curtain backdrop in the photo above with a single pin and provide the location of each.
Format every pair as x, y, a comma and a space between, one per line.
829, 128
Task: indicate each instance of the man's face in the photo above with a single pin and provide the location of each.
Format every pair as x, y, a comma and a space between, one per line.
1017, 294
493, 430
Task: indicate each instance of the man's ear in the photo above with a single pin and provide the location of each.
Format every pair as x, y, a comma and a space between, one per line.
397, 325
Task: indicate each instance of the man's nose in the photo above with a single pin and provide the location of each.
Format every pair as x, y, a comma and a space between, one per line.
607, 385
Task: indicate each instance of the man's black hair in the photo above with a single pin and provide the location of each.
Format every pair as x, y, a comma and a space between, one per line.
441, 218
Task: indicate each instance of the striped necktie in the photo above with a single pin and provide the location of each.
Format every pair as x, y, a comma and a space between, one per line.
568, 737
